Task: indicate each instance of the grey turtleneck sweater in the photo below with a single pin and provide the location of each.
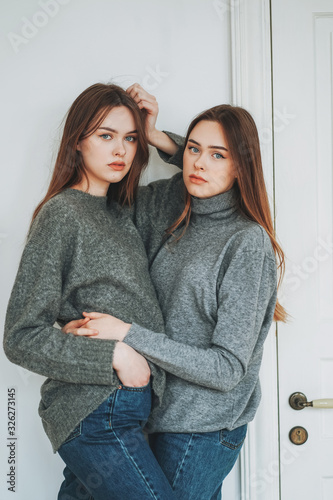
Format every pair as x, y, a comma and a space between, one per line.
80, 256
217, 291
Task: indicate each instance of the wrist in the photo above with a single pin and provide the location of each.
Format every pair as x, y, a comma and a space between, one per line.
154, 137
126, 329
118, 355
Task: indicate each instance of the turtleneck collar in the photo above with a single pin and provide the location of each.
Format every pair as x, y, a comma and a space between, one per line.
220, 206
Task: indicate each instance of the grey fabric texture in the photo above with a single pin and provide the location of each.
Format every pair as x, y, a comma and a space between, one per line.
217, 290
80, 256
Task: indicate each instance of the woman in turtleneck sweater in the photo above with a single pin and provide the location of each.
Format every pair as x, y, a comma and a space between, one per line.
215, 273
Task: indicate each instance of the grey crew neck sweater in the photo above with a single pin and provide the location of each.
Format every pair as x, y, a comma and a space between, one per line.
80, 256
217, 291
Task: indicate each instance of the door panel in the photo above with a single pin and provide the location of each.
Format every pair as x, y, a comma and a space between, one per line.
302, 39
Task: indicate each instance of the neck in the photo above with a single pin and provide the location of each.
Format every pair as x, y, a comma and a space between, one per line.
91, 188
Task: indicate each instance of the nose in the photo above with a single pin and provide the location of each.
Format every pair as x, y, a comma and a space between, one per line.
119, 149
199, 164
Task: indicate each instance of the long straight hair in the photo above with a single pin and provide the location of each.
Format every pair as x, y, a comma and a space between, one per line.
83, 119
242, 137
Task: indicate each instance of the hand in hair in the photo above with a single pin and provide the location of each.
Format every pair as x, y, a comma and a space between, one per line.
148, 103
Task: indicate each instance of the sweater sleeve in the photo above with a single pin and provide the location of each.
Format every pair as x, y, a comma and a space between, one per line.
177, 158
248, 293
157, 206
30, 339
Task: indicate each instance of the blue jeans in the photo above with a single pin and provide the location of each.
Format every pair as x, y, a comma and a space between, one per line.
107, 455
196, 464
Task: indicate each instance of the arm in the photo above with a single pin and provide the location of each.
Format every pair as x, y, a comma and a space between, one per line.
170, 146
246, 302
175, 157
30, 340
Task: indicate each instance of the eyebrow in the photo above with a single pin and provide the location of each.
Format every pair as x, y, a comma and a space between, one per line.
210, 147
116, 131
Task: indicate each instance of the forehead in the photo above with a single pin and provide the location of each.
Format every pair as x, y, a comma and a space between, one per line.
119, 117
209, 133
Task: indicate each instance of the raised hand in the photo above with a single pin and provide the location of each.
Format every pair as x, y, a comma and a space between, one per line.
148, 103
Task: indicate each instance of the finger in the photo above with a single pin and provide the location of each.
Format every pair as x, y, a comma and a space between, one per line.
138, 93
81, 322
77, 323
148, 105
92, 315
131, 87
84, 332
92, 325
134, 88
133, 92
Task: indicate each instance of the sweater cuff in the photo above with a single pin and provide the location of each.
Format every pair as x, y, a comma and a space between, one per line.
177, 158
137, 337
96, 363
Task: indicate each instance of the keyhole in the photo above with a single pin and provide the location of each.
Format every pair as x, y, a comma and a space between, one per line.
298, 435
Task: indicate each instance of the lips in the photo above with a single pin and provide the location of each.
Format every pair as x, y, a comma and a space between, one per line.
196, 179
117, 165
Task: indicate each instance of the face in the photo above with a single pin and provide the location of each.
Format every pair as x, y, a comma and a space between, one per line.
208, 167
109, 152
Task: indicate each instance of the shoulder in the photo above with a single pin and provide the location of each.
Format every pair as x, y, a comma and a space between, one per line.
56, 215
251, 237
162, 194
163, 186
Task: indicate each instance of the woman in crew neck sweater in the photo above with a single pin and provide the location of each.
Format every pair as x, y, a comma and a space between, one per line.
83, 252
213, 260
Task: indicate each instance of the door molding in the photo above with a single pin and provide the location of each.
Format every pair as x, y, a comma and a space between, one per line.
251, 62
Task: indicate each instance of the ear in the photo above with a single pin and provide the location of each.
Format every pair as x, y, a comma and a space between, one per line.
78, 147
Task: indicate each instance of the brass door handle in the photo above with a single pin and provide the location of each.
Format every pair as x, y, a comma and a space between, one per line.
298, 401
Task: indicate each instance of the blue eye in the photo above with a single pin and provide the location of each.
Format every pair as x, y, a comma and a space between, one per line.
218, 156
106, 136
130, 138
193, 149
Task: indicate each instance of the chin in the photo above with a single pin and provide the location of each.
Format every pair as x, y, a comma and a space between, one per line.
117, 177
197, 192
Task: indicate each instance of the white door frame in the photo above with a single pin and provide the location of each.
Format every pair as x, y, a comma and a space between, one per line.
252, 89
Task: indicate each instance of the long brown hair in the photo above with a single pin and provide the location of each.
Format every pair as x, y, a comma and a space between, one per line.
83, 119
243, 142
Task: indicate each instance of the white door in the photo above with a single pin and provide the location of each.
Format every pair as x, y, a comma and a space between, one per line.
302, 39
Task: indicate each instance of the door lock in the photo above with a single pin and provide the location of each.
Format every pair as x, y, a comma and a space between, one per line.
298, 401
298, 435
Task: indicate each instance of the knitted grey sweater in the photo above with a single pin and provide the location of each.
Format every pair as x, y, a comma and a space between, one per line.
217, 291
80, 256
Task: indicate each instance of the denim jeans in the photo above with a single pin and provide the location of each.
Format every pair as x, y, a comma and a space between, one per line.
107, 455
196, 464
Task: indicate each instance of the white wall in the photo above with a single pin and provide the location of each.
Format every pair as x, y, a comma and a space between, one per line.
178, 49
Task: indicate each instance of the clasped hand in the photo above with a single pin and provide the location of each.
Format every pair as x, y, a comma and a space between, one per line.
98, 325
132, 368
